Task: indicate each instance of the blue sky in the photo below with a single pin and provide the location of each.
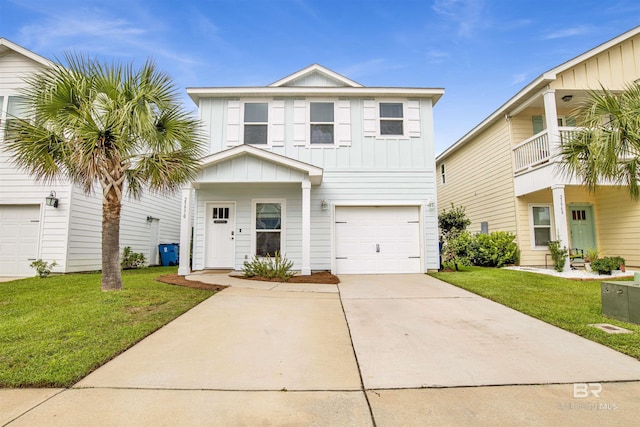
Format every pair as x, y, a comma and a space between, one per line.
480, 51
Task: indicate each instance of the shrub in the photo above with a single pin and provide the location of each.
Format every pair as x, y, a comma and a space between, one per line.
606, 264
131, 260
495, 250
558, 254
43, 268
454, 220
269, 267
456, 249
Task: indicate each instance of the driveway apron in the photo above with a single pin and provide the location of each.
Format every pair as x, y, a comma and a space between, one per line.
414, 331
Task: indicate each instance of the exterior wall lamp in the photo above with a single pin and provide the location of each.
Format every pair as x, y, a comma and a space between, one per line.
324, 204
567, 98
52, 200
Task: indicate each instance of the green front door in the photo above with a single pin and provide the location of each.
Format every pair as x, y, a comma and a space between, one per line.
582, 227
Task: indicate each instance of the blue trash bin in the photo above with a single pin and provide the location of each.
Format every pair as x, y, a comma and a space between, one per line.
169, 254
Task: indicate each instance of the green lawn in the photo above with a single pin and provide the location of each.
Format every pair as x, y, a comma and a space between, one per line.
569, 304
55, 331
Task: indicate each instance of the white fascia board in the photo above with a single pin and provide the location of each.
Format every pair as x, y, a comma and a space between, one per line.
9, 45
315, 173
292, 91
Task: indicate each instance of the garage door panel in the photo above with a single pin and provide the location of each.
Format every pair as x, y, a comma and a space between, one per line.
377, 239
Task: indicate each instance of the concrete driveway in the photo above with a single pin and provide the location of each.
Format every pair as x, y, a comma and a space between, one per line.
383, 350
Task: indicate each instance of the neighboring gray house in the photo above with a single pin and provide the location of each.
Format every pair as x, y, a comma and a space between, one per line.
334, 175
70, 233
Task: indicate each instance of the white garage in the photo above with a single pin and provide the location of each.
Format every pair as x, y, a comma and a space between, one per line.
377, 239
19, 231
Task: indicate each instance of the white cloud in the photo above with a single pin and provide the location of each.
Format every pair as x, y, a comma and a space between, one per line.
567, 32
518, 78
468, 15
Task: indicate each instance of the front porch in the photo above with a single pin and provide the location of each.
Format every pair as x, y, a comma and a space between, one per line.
607, 220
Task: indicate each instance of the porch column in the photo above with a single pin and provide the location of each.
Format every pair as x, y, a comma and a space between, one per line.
185, 233
305, 269
560, 220
551, 118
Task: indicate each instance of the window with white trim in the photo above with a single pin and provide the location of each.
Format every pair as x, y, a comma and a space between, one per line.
391, 118
269, 226
12, 107
256, 122
541, 226
442, 173
321, 122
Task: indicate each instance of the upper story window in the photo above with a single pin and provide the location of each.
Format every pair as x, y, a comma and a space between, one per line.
256, 122
391, 118
321, 122
442, 174
12, 107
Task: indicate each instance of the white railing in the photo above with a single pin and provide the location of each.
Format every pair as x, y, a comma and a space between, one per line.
532, 152
535, 151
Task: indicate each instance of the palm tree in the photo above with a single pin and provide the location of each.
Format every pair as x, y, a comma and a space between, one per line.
108, 125
608, 146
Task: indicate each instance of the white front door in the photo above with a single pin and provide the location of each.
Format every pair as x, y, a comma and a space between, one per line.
220, 235
377, 239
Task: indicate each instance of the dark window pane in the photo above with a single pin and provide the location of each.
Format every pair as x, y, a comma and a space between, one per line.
256, 112
391, 110
322, 134
322, 112
267, 243
542, 236
391, 127
255, 134
268, 216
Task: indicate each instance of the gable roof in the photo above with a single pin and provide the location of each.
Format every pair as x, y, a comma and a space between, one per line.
534, 87
314, 172
317, 69
6, 46
294, 85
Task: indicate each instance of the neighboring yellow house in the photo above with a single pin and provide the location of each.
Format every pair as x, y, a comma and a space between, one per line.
506, 176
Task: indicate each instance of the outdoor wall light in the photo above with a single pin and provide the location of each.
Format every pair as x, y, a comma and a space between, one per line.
567, 98
52, 200
150, 218
431, 203
324, 204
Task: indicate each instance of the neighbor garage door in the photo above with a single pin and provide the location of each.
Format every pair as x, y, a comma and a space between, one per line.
371, 240
19, 229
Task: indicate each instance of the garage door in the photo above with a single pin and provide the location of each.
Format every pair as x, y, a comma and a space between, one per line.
19, 229
374, 240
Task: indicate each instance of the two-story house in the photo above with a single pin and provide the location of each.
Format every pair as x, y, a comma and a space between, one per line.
333, 175
505, 172
66, 228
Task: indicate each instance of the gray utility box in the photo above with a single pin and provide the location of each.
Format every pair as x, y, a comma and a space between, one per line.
621, 300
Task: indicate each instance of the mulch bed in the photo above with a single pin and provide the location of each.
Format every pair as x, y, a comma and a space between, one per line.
174, 279
321, 277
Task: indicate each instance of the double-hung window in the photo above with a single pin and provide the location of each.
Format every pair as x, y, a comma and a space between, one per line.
256, 118
321, 122
541, 226
391, 118
15, 108
268, 228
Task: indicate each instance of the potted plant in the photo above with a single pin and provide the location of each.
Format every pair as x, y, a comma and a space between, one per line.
592, 254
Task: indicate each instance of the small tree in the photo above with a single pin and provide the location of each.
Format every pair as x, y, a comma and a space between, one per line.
456, 241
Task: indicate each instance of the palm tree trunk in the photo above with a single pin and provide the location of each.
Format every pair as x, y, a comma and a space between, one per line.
111, 277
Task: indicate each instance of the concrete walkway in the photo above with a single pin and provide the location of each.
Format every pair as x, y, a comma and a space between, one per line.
384, 350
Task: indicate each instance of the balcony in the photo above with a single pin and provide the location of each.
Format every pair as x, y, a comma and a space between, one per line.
535, 151
534, 167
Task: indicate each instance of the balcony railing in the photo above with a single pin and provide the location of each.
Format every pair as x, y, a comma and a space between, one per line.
535, 151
